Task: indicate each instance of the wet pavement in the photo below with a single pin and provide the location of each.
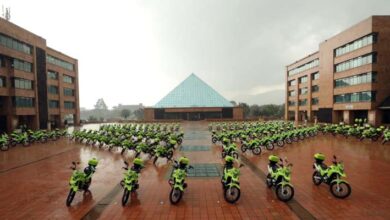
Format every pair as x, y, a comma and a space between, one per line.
34, 183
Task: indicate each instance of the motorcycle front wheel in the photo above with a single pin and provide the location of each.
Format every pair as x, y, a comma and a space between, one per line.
232, 194
269, 146
285, 193
125, 197
243, 148
280, 143
175, 196
341, 190
70, 197
4, 147
256, 150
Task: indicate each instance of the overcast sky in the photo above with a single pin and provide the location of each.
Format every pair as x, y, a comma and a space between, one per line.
136, 51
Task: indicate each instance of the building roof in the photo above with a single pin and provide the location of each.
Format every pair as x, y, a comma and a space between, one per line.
193, 92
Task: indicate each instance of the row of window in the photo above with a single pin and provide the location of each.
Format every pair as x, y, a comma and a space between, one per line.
52, 75
69, 105
304, 90
22, 65
304, 79
68, 79
56, 104
304, 67
54, 90
15, 44
355, 62
359, 43
367, 96
24, 102
369, 77
59, 62
20, 83
303, 102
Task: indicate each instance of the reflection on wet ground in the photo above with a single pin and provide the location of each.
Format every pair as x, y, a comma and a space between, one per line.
34, 182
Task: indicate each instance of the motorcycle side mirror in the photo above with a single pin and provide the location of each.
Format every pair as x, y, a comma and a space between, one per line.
334, 157
242, 165
74, 163
125, 168
127, 164
191, 167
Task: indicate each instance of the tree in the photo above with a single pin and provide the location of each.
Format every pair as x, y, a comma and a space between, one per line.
234, 103
245, 108
101, 105
125, 113
254, 110
92, 118
139, 113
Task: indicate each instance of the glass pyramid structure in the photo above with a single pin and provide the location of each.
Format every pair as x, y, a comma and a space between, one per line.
193, 92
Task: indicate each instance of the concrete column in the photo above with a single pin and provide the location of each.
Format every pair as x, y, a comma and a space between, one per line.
347, 117
374, 117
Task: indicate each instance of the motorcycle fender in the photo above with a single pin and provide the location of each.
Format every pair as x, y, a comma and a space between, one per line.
232, 185
128, 187
284, 183
338, 181
74, 187
178, 186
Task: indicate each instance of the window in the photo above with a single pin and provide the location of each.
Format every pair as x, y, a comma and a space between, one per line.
292, 82
22, 65
314, 101
315, 88
15, 44
367, 96
303, 79
68, 79
291, 103
369, 77
359, 43
24, 102
68, 105
20, 83
2, 81
304, 67
302, 102
315, 76
54, 104
291, 93
303, 91
68, 92
356, 62
52, 89
52, 74
59, 62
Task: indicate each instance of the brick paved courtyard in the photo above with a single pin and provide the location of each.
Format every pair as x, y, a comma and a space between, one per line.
34, 183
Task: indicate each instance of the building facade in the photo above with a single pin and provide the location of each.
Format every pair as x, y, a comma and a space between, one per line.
38, 85
347, 78
193, 100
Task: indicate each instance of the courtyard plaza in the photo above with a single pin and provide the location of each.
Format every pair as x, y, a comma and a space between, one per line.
34, 182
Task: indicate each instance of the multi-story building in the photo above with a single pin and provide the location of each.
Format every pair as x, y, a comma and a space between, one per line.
38, 85
347, 78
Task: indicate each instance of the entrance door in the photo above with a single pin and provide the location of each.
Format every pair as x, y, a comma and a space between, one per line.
3, 124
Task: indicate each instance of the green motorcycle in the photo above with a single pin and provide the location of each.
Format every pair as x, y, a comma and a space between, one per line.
176, 181
80, 180
279, 176
130, 180
230, 150
230, 181
163, 152
253, 145
4, 142
331, 175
